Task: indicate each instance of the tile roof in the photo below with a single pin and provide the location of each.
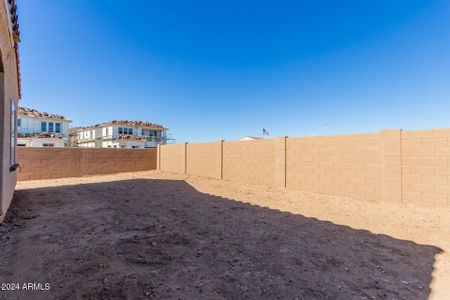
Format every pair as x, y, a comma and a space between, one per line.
14, 21
130, 137
39, 135
126, 123
73, 130
34, 113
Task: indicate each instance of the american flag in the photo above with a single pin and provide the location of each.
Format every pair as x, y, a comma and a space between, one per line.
265, 132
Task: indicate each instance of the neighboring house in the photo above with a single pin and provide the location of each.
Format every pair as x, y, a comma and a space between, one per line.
9, 97
122, 134
72, 138
41, 129
250, 138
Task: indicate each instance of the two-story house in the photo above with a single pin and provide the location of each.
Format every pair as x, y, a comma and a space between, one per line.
122, 134
41, 129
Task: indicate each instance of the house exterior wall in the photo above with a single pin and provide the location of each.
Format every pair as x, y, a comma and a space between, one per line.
31, 124
9, 89
40, 163
123, 144
107, 137
40, 142
87, 145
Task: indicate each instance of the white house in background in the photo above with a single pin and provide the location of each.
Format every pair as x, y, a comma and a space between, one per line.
250, 138
122, 134
41, 129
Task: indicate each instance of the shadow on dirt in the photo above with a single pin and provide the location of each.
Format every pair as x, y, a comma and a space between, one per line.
164, 239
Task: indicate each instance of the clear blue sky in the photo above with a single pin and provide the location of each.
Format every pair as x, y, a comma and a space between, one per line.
212, 70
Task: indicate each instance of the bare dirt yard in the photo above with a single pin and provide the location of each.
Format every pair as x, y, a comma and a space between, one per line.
164, 236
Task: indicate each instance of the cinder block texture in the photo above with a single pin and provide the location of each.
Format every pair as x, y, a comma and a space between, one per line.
389, 166
391, 171
344, 165
46, 163
250, 161
173, 158
425, 167
204, 159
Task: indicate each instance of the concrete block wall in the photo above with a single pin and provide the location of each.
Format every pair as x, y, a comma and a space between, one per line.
425, 162
391, 166
172, 158
390, 173
344, 165
250, 162
205, 159
46, 163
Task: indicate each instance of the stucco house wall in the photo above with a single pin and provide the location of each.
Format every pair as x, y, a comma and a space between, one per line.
9, 89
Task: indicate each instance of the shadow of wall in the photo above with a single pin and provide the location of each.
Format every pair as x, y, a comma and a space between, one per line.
163, 238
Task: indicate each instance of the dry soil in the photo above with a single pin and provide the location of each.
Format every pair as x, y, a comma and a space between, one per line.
165, 236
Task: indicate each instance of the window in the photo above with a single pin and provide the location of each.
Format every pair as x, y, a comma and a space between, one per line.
48, 145
58, 127
19, 123
125, 130
43, 126
50, 126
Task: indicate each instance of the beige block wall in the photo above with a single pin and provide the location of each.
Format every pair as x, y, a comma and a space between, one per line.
390, 176
205, 159
251, 161
425, 166
173, 158
45, 163
345, 165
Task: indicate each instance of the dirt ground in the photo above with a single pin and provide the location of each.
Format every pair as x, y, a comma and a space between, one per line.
165, 236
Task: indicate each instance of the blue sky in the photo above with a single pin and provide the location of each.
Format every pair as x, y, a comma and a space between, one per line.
212, 70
